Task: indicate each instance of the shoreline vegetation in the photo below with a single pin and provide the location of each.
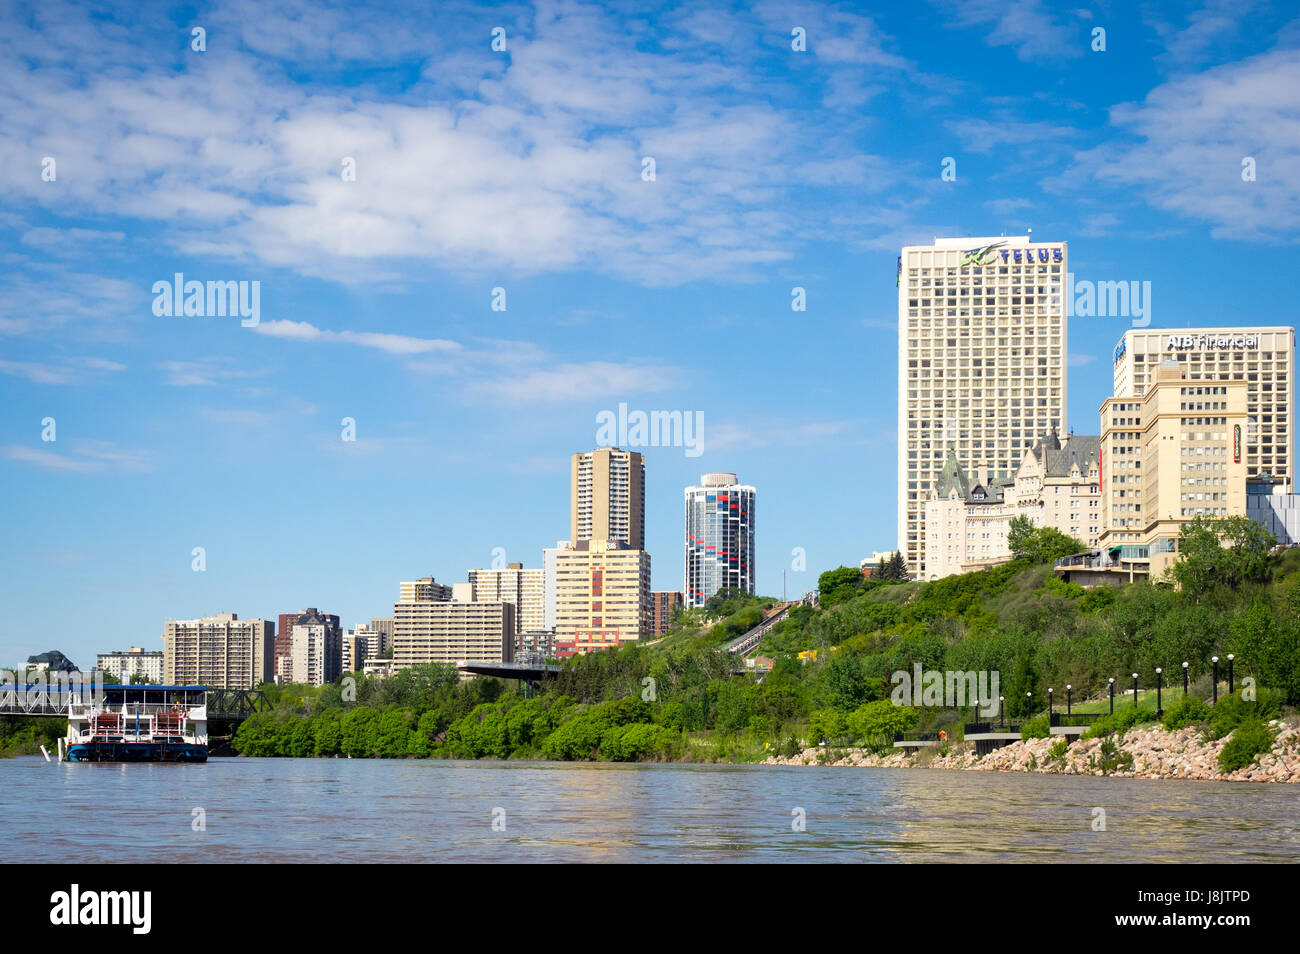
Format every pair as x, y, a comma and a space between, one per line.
828, 696
825, 693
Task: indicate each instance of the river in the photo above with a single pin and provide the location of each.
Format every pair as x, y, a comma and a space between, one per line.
353, 810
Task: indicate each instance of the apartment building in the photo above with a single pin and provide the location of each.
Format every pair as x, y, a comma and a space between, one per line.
220, 651
602, 596
523, 588
721, 515
123, 666
452, 632
607, 497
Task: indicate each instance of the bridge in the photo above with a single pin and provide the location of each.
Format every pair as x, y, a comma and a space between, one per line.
224, 705
746, 643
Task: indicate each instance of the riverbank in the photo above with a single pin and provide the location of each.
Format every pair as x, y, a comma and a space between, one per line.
1145, 752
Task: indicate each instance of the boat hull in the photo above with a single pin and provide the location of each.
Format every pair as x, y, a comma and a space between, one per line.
137, 752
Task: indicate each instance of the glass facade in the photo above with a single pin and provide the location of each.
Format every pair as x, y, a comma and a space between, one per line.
719, 538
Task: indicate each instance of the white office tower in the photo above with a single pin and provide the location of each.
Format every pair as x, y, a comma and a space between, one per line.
981, 363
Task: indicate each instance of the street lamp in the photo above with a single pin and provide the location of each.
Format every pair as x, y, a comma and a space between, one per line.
1029, 705
1184, 679
1049, 703
1159, 685
1230, 687
1068, 690
1111, 684
1215, 660
1135, 690
1002, 710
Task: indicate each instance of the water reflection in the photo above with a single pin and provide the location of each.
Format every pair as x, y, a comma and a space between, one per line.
346, 810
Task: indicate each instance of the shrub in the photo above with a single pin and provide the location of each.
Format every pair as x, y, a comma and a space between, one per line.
1039, 727
1112, 759
1231, 711
1058, 749
876, 723
1185, 712
1251, 739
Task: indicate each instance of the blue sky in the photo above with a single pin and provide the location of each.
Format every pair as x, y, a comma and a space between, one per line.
521, 169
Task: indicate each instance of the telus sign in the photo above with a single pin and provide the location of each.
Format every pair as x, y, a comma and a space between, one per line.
995, 253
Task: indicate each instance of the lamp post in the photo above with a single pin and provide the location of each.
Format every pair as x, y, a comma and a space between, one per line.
1135, 690
1184, 679
1068, 698
1029, 706
1002, 710
1230, 686
1159, 686
1215, 660
1111, 683
1049, 703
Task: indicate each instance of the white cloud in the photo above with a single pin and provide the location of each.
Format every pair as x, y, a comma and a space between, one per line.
528, 162
203, 373
76, 371
577, 381
393, 344
87, 456
1190, 137
1025, 25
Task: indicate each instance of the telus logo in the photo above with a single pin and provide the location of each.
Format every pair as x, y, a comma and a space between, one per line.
102, 907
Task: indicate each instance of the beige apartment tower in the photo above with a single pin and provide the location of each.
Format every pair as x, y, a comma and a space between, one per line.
221, 652
1262, 357
524, 589
981, 364
443, 631
607, 497
1175, 453
602, 596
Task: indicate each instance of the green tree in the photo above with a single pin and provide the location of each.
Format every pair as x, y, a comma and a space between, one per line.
1221, 552
832, 580
1039, 544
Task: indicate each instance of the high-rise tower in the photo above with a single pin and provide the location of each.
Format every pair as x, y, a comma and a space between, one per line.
981, 363
719, 537
607, 497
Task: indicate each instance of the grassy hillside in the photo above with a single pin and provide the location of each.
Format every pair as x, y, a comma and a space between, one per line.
681, 698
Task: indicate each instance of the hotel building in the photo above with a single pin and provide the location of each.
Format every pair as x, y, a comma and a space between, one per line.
607, 497
221, 652
968, 518
981, 364
1262, 357
720, 515
1176, 452
602, 596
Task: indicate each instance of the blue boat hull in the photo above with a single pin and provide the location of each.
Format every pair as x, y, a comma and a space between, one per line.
137, 752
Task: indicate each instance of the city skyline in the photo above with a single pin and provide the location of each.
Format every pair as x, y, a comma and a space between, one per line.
776, 173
